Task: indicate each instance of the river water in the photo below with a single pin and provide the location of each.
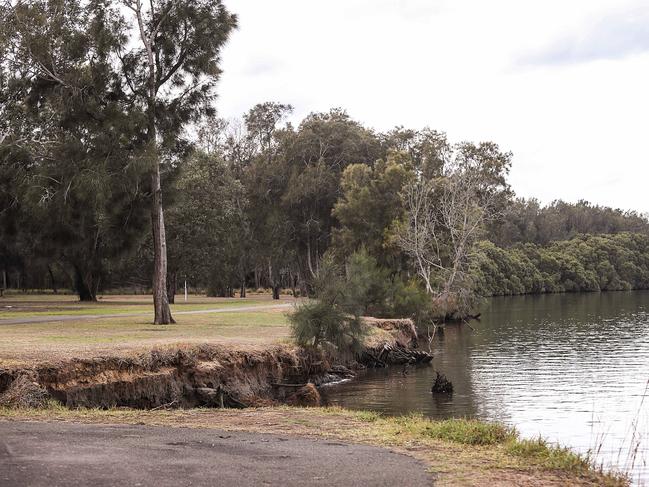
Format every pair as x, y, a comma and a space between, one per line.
573, 368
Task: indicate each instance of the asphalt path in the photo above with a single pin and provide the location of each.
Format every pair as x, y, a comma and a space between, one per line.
70, 454
56, 318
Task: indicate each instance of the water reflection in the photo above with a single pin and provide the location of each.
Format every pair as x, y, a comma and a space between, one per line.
573, 368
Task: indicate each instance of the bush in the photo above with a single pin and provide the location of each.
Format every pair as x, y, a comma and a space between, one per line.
376, 292
410, 300
316, 323
334, 319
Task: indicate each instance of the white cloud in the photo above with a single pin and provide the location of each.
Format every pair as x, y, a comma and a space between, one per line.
576, 127
619, 34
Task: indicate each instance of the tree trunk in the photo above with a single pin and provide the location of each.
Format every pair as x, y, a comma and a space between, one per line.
308, 258
242, 290
4, 279
49, 270
86, 292
160, 300
274, 284
172, 284
257, 278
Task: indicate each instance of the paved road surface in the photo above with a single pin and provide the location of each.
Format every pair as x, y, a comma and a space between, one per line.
68, 454
55, 318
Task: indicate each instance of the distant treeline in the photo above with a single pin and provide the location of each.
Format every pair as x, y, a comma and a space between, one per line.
584, 263
526, 220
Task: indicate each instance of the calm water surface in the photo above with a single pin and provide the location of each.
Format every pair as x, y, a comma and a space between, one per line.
573, 368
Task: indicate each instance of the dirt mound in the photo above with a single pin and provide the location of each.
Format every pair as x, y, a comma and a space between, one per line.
24, 392
401, 330
307, 395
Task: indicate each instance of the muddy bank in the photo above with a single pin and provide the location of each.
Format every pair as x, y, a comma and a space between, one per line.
205, 376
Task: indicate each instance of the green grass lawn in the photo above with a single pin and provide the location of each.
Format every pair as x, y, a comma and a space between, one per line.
31, 305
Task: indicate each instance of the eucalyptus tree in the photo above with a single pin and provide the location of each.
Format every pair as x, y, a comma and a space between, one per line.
207, 223
140, 73
259, 153
262, 121
169, 66
370, 205
447, 215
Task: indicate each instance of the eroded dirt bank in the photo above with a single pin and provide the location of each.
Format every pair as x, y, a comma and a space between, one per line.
204, 376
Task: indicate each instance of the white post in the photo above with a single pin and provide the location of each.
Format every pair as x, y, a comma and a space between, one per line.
185, 290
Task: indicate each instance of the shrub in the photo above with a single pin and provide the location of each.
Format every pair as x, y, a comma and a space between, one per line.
334, 319
316, 323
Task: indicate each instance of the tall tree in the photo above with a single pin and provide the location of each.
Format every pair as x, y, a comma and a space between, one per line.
314, 159
169, 60
262, 121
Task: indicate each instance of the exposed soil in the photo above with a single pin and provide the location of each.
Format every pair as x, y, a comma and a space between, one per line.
202, 376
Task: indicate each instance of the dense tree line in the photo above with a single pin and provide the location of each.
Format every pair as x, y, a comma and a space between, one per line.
258, 203
96, 99
584, 263
526, 220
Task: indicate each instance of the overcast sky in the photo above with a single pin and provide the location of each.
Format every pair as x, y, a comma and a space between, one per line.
563, 84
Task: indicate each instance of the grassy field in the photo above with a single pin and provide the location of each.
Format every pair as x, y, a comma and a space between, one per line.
85, 338
39, 305
458, 452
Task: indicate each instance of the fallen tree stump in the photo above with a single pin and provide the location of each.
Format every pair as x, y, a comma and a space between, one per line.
442, 385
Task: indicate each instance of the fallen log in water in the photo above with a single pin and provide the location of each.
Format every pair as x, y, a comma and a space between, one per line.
393, 355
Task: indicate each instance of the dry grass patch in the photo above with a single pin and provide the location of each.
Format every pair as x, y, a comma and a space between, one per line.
29, 344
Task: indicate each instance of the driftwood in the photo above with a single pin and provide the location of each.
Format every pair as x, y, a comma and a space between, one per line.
165, 406
394, 355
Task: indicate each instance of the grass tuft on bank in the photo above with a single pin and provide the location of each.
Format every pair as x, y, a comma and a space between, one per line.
549, 456
468, 431
509, 449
